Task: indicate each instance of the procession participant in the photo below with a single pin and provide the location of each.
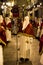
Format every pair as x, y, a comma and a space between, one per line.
2, 38
27, 26
8, 29
26, 36
41, 37
36, 22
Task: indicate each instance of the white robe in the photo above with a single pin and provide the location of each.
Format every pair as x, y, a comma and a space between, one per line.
41, 59
1, 55
8, 32
26, 22
8, 35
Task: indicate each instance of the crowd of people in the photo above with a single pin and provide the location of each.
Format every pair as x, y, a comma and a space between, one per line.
30, 26
5, 25
38, 31
5, 34
34, 27
14, 25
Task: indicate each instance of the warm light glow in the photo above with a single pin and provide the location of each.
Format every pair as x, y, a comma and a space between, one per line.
40, 3
34, 6
3, 3
23, 5
28, 6
5, 6
8, 3
2, 7
12, 4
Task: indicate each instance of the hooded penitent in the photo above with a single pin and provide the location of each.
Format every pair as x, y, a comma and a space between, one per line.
8, 28
27, 26
2, 31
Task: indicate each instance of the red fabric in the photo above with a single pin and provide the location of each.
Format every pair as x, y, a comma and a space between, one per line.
2, 35
29, 29
15, 14
41, 24
3, 24
37, 24
41, 39
9, 25
2, 31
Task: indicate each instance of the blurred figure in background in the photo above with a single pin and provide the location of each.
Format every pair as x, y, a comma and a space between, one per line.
38, 28
8, 29
35, 25
15, 27
3, 40
19, 24
27, 26
41, 37
36, 22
